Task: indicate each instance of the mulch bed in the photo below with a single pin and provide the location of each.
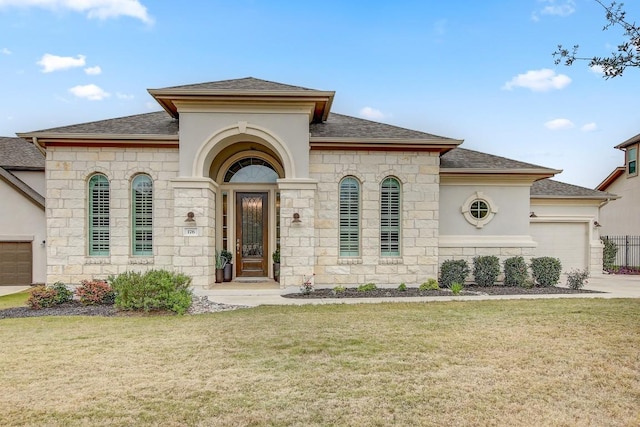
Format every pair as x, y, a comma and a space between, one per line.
414, 292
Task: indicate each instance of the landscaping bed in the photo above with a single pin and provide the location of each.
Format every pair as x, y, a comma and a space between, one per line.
415, 292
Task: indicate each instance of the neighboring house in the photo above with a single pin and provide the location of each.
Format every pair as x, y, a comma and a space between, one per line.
250, 166
622, 217
22, 213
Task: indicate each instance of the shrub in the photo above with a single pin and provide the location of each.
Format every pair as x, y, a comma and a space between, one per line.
367, 288
515, 271
486, 270
63, 294
429, 285
153, 290
402, 287
453, 271
546, 271
42, 297
92, 292
456, 288
609, 252
576, 279
339, 289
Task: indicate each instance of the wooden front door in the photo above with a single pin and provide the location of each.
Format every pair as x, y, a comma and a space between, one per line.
251, 234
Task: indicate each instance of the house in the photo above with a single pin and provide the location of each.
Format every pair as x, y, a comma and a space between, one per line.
252, 166
622, 217
22, 213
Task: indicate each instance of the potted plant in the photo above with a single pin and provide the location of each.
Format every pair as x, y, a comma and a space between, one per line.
228, 267
276, 265
220, 263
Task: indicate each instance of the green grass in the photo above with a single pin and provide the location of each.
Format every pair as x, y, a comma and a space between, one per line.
14, 300
516, 363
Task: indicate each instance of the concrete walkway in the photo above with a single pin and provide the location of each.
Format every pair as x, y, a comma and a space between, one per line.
614, 286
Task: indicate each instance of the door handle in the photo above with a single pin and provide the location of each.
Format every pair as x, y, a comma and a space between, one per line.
237, 246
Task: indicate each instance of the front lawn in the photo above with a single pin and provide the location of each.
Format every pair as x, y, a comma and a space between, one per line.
516, 363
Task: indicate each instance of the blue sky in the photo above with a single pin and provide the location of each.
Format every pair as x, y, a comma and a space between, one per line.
481, 71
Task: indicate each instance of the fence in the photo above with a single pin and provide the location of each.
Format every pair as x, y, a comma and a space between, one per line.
628, 254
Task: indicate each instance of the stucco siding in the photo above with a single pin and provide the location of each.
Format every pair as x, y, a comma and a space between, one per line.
621, 217
22, 220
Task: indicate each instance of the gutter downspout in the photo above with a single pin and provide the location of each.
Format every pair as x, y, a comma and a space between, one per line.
41, 149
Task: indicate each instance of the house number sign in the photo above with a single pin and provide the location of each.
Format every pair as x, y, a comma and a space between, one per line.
190, 231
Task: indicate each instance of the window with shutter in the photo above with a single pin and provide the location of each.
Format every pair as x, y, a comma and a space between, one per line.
142, 215
349, 217
99, 215
390, 217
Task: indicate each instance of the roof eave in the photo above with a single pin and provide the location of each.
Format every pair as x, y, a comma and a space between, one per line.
628, 142
323, 99
383, 144
23, 188
42, 139
613, 176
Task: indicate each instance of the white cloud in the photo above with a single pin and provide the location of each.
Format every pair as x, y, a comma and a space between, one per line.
93, 71
123, 96
589, 127
371, 113
90, 92
100, 9
559, 124
5, 51
539, 80
597, 69
50, 63
555, 8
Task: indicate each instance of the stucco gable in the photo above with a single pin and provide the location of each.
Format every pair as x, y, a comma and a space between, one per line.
18, 154
22, 188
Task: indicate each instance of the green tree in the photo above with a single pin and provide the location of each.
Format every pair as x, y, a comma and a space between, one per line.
627, 54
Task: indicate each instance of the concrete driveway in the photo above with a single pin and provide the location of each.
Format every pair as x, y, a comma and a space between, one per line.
8, 290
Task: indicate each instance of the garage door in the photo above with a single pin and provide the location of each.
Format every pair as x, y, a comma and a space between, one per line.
567, 241
15, 263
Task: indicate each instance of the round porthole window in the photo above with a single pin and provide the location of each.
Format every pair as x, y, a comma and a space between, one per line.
479, 209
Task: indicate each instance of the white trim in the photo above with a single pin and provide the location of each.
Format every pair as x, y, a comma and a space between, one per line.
16, 238
471, 241
466, 209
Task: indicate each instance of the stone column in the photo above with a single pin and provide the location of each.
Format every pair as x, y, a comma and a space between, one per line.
194, 241
297, 239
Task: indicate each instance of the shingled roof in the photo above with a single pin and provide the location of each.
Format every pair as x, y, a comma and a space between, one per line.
547, 188
157, 123
341, 126
18, 154
243, 84
462, 158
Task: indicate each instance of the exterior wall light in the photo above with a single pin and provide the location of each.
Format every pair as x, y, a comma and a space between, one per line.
190, 219
296, 217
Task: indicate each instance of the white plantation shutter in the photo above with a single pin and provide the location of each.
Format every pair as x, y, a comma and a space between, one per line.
349, 217
390, 217
98, 215
142, 215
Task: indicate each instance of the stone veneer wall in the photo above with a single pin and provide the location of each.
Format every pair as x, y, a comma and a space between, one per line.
467, 253
68, 170
418, 173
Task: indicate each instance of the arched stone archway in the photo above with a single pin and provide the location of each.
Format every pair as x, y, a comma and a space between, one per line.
241, 132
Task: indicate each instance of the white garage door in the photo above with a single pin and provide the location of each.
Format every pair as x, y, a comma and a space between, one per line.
568, 241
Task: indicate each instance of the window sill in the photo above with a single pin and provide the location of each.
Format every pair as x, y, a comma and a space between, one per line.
97, 260
390, 260
141, 261
349, 261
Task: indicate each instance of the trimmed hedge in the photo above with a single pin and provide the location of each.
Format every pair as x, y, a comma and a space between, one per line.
453, 271
515, 271
546, 271
153, 290
486, 270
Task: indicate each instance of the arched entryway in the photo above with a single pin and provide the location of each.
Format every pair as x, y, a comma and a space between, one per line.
249, 208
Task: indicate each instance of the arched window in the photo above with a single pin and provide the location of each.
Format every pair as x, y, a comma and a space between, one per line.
142, 215
99, 215
251, 169
390, 217
349, 217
